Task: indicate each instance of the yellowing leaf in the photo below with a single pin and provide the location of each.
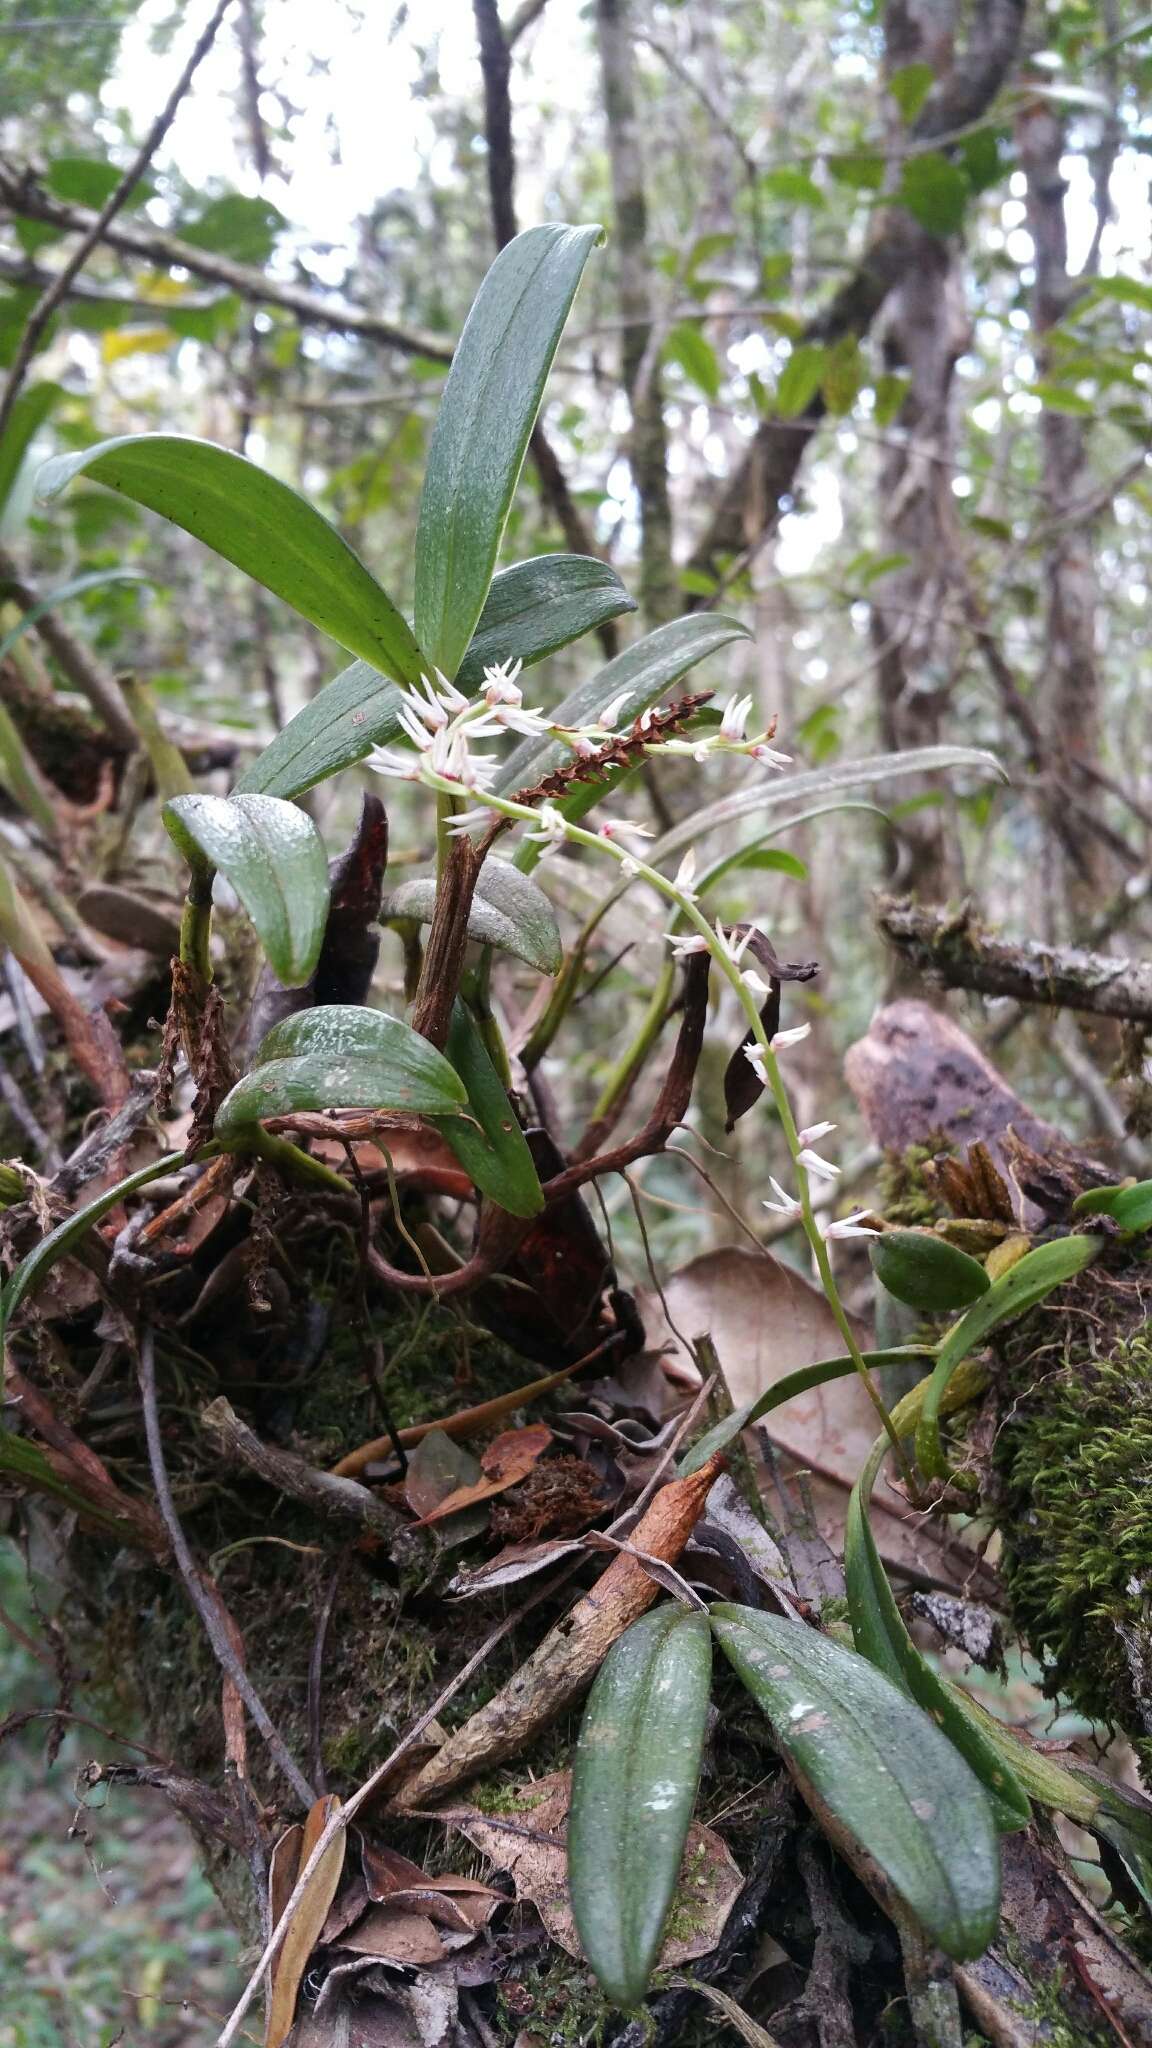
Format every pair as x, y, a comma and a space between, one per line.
119, 342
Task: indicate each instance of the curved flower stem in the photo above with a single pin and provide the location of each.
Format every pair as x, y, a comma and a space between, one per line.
690, 914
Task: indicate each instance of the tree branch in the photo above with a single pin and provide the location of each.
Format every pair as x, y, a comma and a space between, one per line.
494, 44
202, 1590
951, 947
751, 502
43, 310
647, 439
25, 198
83, 670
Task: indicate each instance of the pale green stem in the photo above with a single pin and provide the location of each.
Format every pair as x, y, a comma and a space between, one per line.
690, 913
445, 812
289, 1160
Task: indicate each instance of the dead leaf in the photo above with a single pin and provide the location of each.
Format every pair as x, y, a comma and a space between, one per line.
462, 1904
729, 1521
767, 1321
517, 1561
918, 1076
283, 1870
529, 1843
505, 1462
307, 1922
436, 1468
361, 2006
394, 1936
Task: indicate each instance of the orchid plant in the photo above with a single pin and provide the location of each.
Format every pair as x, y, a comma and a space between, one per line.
436, 704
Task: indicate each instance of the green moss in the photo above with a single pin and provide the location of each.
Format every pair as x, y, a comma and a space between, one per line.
1073, 1464
905, 1195
557, 2004
1049, 2012
686, 1915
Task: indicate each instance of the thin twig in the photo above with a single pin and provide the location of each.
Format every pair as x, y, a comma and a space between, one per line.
316, 1677
57, 292
202, 1592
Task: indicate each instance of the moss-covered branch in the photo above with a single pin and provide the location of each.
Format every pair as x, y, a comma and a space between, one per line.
951, 946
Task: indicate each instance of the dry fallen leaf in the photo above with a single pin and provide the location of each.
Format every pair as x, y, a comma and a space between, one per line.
766, 1321
516, 1561
462, 1904
436, 1468
504, 1463
394, 1936
307, 1922
530, 1846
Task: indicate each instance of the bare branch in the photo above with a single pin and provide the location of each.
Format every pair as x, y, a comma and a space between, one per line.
751, 502
42, 312
528, 12
26, 199
496, 67
82, 668
202, 1591
647, 439
951, 946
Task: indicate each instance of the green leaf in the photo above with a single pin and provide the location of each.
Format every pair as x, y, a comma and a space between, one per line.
486, 415
634, 1778
43, 1257
881, 1767
797, 187
274, 858
89, 181
910, 87
1058, 398
1130, 1207
31, 409
765, 800
235, 225
537, 606
341, 1056
843, 376
793, 1383
687, 347
1025, 1283
508, 910
358, 710
495, 1156
935, 192
1127, 291
880, 1635
861, 170
260, 525
889, 393
639, 676
800, 379
980, 154
926, 1271
775, 860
